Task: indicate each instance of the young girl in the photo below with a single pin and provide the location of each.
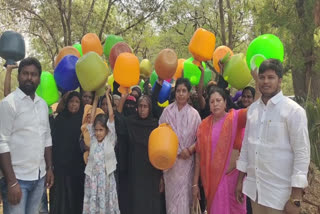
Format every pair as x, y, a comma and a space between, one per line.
100, 186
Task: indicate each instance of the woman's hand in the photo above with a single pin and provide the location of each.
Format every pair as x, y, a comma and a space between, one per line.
161, 185
184, 154
238, 193
195, 193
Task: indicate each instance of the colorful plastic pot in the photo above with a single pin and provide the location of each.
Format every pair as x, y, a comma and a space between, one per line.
192, 71
65, 73
117, 49
12, 47
91, 42
79, 48
163, 147
264, 47
47, 89
145, 68
153, 77
202, 45
111, 40
164, 92
221, 53
126, 71
179, 69
166, 64
68, 50
236, 72
92, 72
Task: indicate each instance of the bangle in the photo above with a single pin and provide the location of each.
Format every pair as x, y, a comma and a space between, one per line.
15, 184
196, 185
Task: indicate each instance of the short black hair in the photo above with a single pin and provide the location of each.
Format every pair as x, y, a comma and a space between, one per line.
30, 61
183, 81
272, 64
219, 91
102, 119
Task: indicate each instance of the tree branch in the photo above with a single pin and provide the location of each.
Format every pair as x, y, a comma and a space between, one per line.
61, 11
84, 31
110, 3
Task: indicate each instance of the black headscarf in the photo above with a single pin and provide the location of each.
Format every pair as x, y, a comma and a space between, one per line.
67, 156
138, 128
130, 107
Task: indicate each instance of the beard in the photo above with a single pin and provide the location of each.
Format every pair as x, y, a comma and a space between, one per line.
28, 88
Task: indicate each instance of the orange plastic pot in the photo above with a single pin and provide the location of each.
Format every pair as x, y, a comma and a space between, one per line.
126, 71
91, 42
202, 45
219, 54
116, 50
68, 50
163, 147
179, 69
166, 64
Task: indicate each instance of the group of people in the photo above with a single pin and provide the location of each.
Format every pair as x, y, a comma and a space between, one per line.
232, 154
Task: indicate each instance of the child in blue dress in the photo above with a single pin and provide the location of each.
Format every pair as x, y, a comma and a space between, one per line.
100, 195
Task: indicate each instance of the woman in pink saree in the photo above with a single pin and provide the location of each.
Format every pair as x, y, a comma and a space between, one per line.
219, 139
184, 121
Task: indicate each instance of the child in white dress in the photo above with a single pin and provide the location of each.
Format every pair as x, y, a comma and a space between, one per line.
100, 195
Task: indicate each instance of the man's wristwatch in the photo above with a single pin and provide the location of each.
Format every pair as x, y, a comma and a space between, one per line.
296, 202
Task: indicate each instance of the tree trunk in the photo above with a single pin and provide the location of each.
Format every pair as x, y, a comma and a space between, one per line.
222, 24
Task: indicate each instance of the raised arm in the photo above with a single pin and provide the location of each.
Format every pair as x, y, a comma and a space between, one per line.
122, 101
7, 80
110, 109
201, 100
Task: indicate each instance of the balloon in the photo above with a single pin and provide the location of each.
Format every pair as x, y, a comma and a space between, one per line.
65, 73
117, 49
166, 64
207, 76
219, 54
68, 50
179, 69
12, 47
141, 84
110, 81
47, 89
111, 40
126, 71
145, 68
91, 42
236, 72
92, 72
163, 147
78, 47
153, 77
264, 47
164, 92
192, 72
202, 45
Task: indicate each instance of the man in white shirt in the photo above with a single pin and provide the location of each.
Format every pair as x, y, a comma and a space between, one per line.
25, 143
275, 153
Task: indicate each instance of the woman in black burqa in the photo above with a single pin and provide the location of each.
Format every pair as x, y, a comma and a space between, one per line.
66, 196
144, 181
